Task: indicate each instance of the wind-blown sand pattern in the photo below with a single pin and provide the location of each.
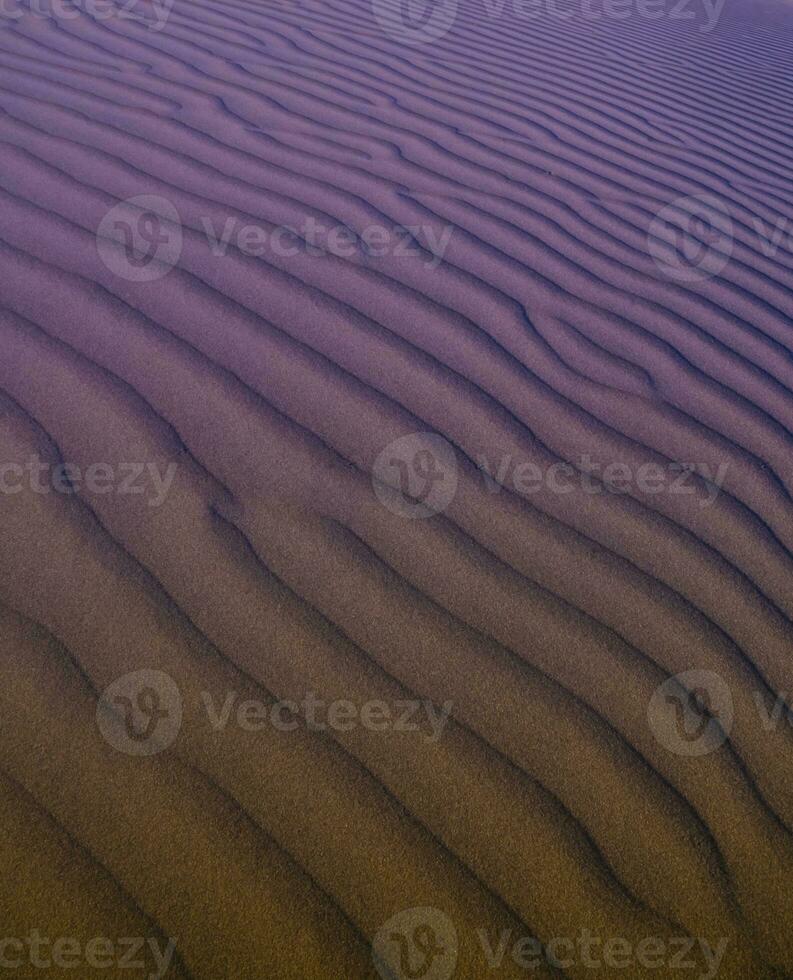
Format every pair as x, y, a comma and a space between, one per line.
533, 321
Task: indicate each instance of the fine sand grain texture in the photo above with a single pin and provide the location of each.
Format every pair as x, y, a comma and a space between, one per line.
396, 463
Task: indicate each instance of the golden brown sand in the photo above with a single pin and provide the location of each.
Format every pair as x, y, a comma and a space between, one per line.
512, 768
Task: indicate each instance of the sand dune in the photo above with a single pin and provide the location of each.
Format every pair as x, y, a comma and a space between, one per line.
447, 383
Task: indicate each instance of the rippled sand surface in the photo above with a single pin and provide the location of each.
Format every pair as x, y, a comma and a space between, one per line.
396, 415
